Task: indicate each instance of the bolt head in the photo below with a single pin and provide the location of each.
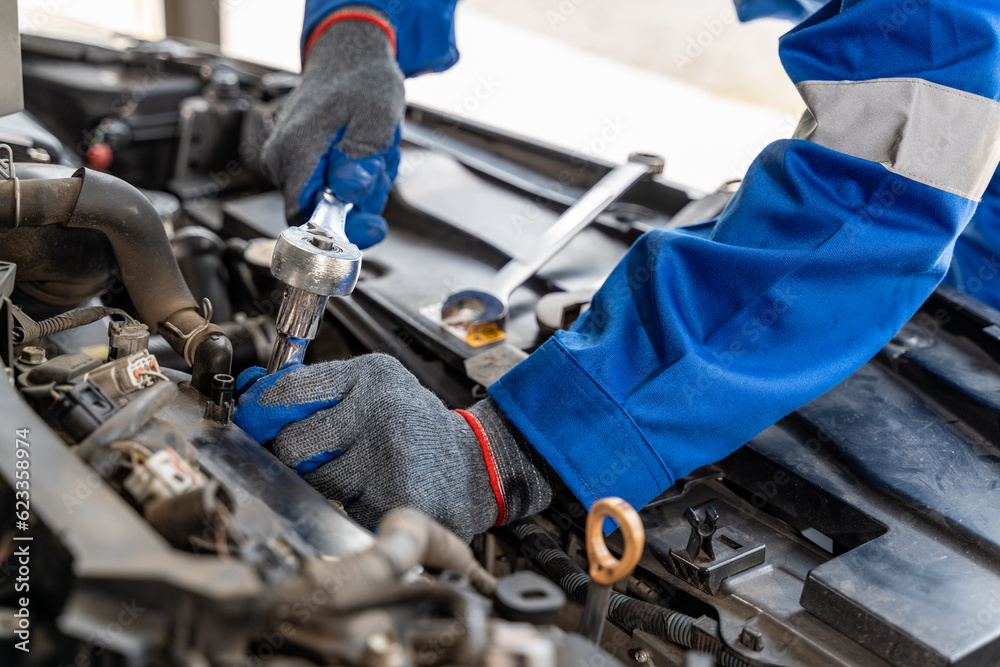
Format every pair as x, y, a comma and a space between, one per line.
639, 655
32, 355
656, 163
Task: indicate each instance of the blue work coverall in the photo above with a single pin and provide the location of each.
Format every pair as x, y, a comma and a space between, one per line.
835, 238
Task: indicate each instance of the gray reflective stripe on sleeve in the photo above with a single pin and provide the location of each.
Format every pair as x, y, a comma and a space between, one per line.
933, 134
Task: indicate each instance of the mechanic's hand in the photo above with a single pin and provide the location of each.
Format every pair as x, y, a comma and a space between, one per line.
340, 129
366, 433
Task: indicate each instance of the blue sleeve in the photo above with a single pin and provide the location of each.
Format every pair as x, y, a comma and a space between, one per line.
425, 30
975, 266
695, 345
792, 10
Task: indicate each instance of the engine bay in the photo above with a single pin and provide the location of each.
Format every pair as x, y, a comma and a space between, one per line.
136, 236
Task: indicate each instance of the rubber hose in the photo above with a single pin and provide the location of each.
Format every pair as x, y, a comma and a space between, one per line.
198, 252
28, 331
406, 538
443, 550
44, 201
97, 201
623, 610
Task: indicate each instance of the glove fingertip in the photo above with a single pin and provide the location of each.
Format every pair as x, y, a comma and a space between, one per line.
366, 229
353, 180
247, 378
247, 418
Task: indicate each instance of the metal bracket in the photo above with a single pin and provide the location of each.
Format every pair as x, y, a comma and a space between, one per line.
8, 173
7, 274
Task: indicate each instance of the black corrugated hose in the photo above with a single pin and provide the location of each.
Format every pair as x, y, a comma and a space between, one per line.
623, 610
28, 331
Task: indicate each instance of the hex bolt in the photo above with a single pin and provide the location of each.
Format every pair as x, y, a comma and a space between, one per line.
324, 242
32, 355
639, 655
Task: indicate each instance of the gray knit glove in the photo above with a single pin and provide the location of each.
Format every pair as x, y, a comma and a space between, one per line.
366, 433
339, 128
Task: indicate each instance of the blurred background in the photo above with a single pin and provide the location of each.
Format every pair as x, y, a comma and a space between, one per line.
604, 77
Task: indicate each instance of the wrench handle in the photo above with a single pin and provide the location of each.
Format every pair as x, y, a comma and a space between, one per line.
575, 219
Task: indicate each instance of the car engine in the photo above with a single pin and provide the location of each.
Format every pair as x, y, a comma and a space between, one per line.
139, 526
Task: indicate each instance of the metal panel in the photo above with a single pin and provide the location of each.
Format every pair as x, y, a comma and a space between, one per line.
11, 93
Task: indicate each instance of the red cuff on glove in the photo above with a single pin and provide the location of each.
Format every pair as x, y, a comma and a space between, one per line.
491, 465
350, 16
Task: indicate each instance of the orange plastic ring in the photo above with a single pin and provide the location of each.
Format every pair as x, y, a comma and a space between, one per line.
605, 569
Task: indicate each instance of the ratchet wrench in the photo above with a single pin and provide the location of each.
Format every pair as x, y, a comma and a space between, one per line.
315, 261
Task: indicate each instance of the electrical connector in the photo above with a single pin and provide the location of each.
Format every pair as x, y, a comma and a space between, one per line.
163, 475
123, 376
126, 339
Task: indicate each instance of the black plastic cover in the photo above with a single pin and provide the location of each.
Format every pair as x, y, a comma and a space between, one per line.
82, 409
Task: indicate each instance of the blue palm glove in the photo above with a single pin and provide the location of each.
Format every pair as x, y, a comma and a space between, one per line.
339, 129
262, 420
364, 432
